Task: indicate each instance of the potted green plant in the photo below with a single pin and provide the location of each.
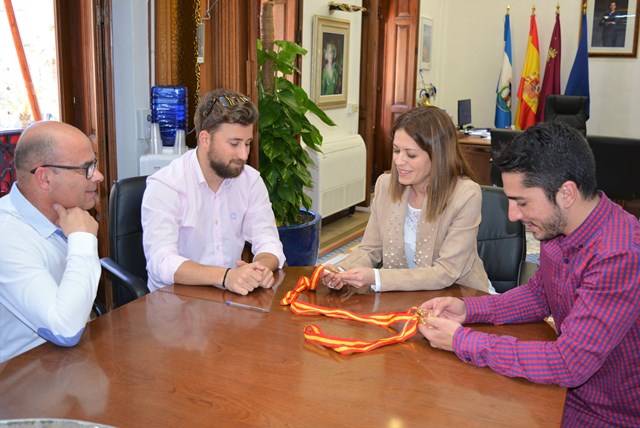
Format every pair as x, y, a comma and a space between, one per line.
284, 163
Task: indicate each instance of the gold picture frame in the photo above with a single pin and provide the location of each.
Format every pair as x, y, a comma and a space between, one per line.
612, 33
426, 35
330, 62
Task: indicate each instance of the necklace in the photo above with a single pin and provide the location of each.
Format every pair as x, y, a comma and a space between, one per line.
413, 215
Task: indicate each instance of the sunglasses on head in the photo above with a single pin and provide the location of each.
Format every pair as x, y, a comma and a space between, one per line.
227, 101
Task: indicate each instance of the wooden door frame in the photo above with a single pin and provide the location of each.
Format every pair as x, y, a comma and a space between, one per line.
85, 70
369, 87
377, 79
231, 59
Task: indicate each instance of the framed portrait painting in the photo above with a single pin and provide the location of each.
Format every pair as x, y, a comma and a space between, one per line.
330, 62
612, 28
426, 33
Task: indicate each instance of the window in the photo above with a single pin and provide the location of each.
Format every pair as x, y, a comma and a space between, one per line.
35, 20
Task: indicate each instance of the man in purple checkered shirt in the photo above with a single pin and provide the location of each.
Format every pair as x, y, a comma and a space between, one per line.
588, 280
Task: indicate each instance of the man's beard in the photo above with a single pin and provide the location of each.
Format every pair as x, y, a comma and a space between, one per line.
230, 170
553, 226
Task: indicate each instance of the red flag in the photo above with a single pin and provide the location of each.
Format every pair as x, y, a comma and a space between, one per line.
551, 82
529, 89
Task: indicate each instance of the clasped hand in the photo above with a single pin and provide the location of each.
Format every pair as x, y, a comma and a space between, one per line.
248, 276
448, 314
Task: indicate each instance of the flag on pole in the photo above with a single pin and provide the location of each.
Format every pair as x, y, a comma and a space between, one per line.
578, 83
503, 91
551, 82
529, 89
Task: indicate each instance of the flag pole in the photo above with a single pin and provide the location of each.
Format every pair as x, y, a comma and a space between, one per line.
503, 89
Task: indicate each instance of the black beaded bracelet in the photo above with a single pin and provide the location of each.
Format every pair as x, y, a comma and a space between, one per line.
224, 278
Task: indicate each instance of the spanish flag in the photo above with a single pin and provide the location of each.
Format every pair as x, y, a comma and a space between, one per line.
529, 89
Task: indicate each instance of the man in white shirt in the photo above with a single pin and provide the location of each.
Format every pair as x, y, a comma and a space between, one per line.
49, 266
198, 211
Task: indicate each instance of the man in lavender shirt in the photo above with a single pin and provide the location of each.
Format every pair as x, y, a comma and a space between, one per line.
198, 212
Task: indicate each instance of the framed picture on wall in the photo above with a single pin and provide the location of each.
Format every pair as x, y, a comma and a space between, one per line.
425, 54
612, 28
330, 62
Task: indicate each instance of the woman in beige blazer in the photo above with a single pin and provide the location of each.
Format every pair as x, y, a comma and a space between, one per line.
425, 214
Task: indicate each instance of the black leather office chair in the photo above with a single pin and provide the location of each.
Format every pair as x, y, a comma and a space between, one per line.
127, 263
98, 309
568, 109
501, 243
617, 166
499, 140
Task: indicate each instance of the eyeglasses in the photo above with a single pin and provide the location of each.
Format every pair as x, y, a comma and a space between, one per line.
227, 102
89, 169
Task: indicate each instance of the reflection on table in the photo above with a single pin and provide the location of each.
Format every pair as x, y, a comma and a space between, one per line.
181, 356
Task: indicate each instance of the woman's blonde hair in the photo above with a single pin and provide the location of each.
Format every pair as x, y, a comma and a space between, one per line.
435, 133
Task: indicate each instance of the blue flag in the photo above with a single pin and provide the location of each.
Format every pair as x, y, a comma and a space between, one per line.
503, 91
578, 83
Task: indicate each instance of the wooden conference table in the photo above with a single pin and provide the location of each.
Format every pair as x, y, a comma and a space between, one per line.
181, 357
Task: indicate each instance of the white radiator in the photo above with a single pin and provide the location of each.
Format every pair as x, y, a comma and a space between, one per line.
339, 175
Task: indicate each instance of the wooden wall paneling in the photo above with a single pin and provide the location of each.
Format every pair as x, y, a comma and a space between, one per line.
106, 131
166, 55
398, 73
228, 41
176, 51
287, 15
252, 17
369, 88
74, 45
230, 52
83, 43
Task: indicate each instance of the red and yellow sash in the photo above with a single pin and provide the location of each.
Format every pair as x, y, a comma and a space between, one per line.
313, 334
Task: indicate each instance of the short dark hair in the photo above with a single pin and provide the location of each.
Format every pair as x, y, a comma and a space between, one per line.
549, 154
211, 113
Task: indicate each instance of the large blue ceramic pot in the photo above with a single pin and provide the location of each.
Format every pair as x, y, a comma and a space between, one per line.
302, 241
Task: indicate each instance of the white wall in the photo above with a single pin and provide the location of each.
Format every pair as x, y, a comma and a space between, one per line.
131, 80
346, 118
132, 85
467, 50
467, 53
